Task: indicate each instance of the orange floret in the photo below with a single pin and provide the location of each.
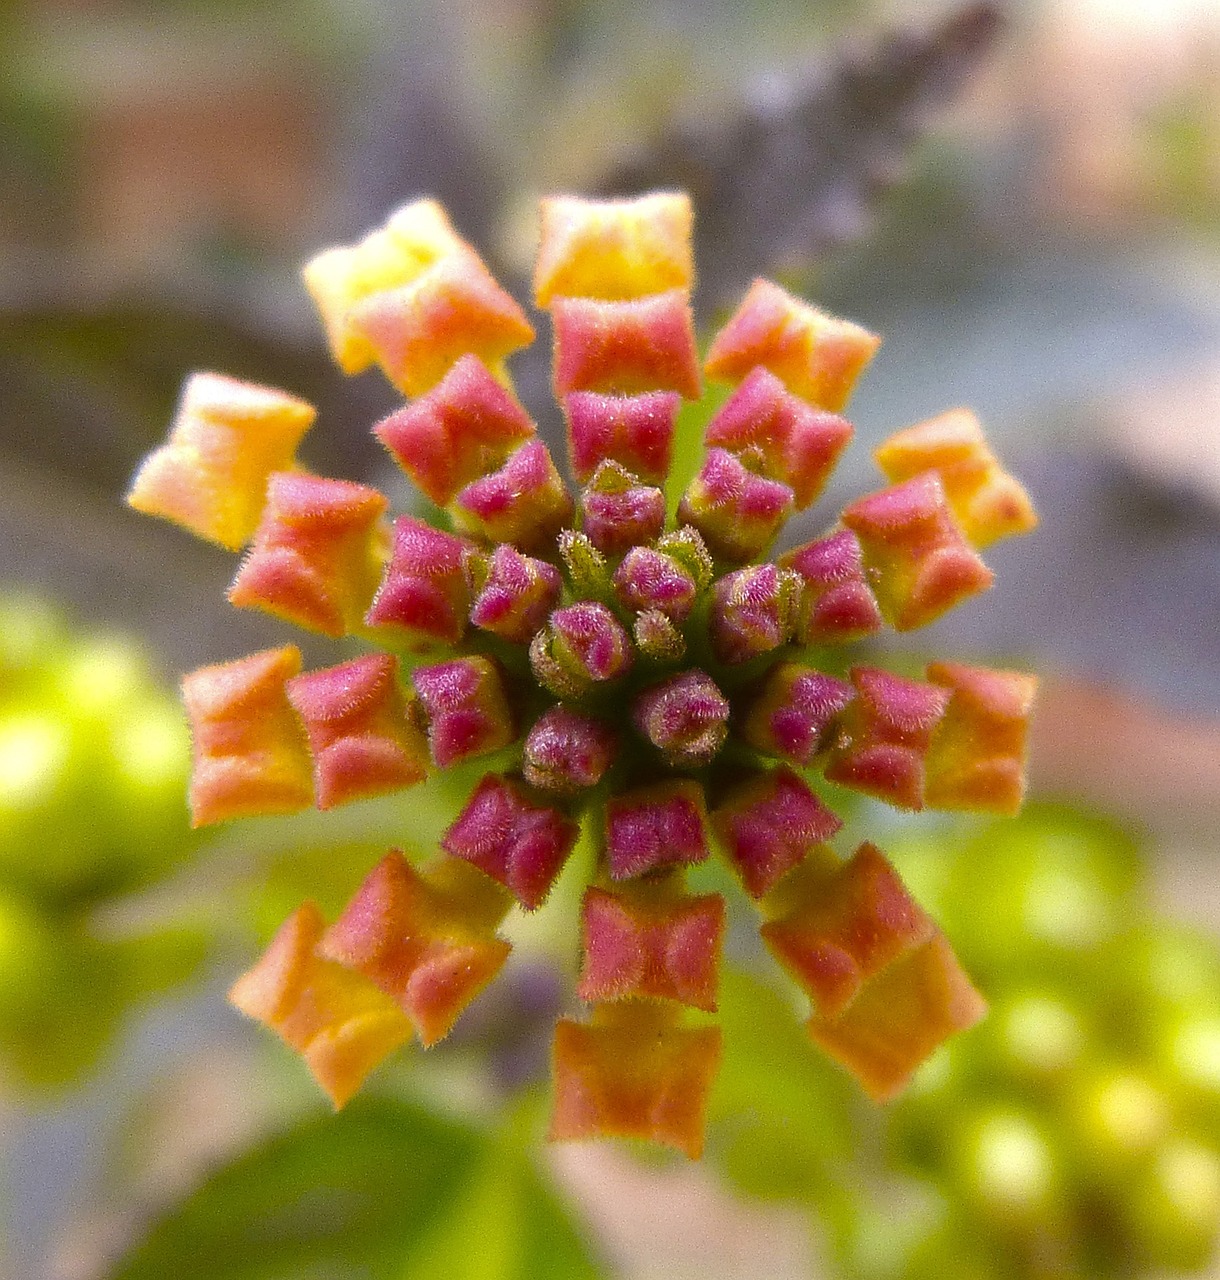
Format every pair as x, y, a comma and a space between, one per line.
815, 355
614, 249
634, 1072
977, 757
226, 439
426, 939
336, 1019
987, 502
249, 747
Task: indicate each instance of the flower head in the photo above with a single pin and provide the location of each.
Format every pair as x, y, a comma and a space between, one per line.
656, 682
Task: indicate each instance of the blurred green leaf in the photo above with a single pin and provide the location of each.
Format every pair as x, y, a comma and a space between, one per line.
384, 1189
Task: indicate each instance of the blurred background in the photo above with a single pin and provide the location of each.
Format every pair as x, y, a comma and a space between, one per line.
1024, 199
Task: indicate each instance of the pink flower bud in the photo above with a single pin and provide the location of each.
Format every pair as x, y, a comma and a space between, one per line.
684, 717
768, 823
792, 711
466, 709
567, 750
916, 554
737, 512
635, 1072
635, 431
753, 612
425, 939
625, 348
815, 355
362, 741
462, 428
424, 590
661, 825
250, 750
648, 579
618, 512
837, 604
884, 735
583, 645
651, 941
515, 594
317, 554
418, 331
521, 844
524, 503
780, 435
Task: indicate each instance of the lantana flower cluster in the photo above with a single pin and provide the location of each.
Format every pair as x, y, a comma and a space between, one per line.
644, 674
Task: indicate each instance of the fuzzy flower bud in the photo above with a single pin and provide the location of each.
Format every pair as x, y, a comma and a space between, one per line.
753, 612
655, 826
684, 717
583, 645
648, 579
635, 431
567, 750
423, 594
512, 593
837, 604
737, 512
618, 512
466, 709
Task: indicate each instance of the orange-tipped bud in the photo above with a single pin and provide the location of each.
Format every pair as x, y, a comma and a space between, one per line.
250, 749
317, 555
920, 562
335, 1018
426, 939
987, 502
226, 439
977, 757
815, 355
614, 249
634, 1072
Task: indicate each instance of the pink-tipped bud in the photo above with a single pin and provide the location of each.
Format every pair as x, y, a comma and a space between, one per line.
424, 938
317, 555
418, 331
781, 436
685, 718
339, 1021
512, 593
815, 355
583, 645
226, 439
525, 502
792, 712
462, 429
635, 431
648, 579
768, 824
625, 348
661, 825
521, 844
977, 757
653, 942
618, 512
917, 557
987, 502
658, 638
884, 736
614, 248
753, 612
362, 741
837, 604
250, 750
737, 512
567, 750
635, 1072
423, 593
466, 709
